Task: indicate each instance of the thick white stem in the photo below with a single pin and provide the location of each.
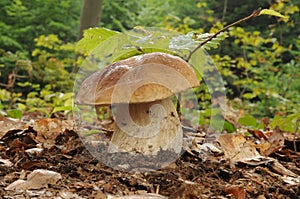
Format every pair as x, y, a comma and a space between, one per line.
147, 128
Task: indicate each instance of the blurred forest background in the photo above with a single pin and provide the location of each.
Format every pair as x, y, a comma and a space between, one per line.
259, 60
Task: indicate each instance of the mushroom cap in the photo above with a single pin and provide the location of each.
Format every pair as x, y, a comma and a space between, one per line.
143, 78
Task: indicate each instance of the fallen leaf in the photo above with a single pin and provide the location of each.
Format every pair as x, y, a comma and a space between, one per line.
236, 191
67, 194
258, 134
141, 196
8, 124
203, 150
33, 164
280, 169
34, 151
291, 180
261, 197
37, 179
188, 189
25, 136
237, 148
276, 142
49, 128
5, 163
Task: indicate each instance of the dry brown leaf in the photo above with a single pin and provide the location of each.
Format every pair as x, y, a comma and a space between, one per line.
280, 169
7, 124
188, 189
291, 180
237, 148
276, 142
5, 163
141, 196
261, 197
49, 128
68, 195
37, 179
236, 191
258, 134
33, 164
18, 140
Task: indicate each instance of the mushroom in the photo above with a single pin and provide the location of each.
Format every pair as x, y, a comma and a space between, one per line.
141, 88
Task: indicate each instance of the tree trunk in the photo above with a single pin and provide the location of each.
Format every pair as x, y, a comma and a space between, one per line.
90, 15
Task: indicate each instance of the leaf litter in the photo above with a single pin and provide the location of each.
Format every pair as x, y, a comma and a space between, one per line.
45, 158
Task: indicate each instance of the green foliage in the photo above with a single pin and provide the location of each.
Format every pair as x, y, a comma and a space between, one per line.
36, 57
110, 46
273, 13
22, 21
125, 15
41, 84
259, 60
247, 120
54, 63
287, 123
14, 113
92, 38
260, 76
258, 63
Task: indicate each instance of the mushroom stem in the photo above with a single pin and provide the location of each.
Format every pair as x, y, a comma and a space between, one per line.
147, 128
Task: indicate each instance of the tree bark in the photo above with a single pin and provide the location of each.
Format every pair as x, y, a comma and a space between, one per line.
90, 15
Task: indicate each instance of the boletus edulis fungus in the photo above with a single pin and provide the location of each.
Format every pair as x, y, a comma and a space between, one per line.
141, 88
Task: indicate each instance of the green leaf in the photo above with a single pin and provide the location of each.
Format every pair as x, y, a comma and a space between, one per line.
43, 110
229, 127
21, 106
284, 123
14, 113
62, 108
273, 13
115, 46
92, 38
248, 121
24, 84
185, 42
131, 53
249, 95
92, 132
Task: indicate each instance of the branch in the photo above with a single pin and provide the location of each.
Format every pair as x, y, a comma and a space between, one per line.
4, 85
20, 76
254, 14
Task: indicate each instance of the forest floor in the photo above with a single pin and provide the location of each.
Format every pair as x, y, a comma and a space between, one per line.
46, 158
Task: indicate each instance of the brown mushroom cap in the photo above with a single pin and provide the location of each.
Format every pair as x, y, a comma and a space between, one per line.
138, 79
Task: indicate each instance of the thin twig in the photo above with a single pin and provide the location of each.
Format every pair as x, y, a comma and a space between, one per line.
254, 14
20, 76
224, 9
4, 85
